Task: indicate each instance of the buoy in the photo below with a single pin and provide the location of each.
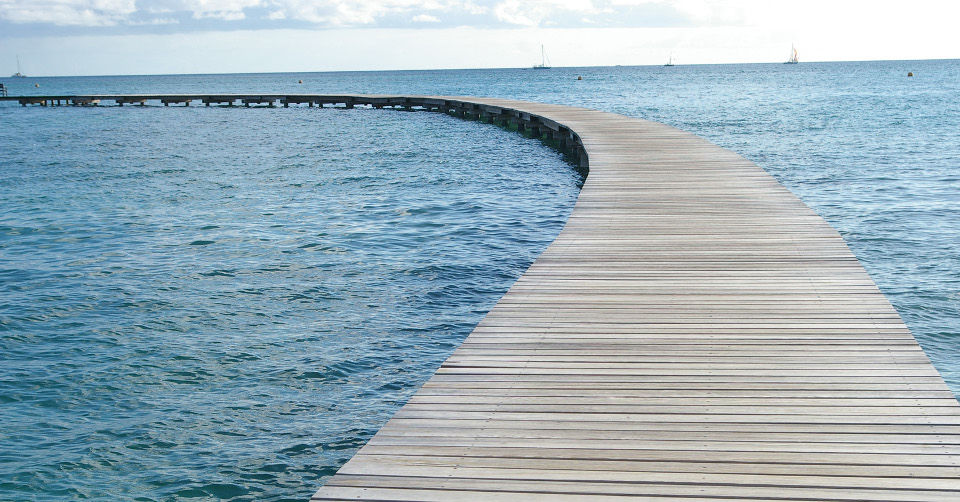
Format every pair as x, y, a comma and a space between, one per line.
579, 77
909, 73
300, 81
36, 85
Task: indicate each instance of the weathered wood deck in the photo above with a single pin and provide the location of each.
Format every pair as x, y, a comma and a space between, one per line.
695, 332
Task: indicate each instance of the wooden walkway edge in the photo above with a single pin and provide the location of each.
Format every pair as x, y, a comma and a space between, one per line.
694, 333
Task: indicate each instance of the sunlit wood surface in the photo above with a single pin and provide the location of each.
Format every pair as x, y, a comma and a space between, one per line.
695, 332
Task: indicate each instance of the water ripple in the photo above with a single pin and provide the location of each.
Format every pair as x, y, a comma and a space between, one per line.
183, 321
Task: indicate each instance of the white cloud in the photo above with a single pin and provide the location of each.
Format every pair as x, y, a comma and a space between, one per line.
330, 13
157, 21
719, 12
531, 13
67, 12
224, 15
425, 18
340, 13
469, 7
227, 10
821, 18
114, 12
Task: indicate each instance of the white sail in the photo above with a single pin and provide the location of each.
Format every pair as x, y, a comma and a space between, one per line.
793, 59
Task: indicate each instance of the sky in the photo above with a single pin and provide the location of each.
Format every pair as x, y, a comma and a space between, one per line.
129, 37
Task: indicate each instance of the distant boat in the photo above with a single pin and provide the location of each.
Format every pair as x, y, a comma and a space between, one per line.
670, 61
19, 73
544, 61
793, 56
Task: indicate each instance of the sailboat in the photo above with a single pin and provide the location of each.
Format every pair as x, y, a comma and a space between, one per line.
19, 73
544, 61
793, 56
670, 61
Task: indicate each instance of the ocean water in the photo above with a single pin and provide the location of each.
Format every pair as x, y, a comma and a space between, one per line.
225, 303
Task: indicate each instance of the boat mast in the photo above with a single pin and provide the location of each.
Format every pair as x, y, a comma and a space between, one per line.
544, 60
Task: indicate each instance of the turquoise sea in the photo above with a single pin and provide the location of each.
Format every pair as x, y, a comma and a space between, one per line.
225, 303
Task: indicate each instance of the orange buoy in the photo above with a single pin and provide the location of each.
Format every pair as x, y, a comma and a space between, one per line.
300, 81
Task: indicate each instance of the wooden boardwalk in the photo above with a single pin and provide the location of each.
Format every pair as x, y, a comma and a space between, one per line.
694, 333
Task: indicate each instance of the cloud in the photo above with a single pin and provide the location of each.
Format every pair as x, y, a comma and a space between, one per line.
259, 14
226, 10
50, 40
425, 18
531, 13
372, 13
67, 12
224, 15
717, 12
157, 21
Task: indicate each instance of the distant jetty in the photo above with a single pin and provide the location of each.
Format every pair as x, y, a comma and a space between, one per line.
556, 134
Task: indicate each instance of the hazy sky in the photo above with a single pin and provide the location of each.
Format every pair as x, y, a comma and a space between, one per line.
96, 37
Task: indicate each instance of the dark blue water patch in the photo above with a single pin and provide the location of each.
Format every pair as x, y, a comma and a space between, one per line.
224, 304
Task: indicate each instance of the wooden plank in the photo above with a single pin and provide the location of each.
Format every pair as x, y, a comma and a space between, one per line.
718, 466
400, 466
858, 463
694, 487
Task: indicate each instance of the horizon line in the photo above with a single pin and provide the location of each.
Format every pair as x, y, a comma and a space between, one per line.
471, 69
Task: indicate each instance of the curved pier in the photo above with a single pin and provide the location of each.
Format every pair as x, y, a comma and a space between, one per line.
694, 333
